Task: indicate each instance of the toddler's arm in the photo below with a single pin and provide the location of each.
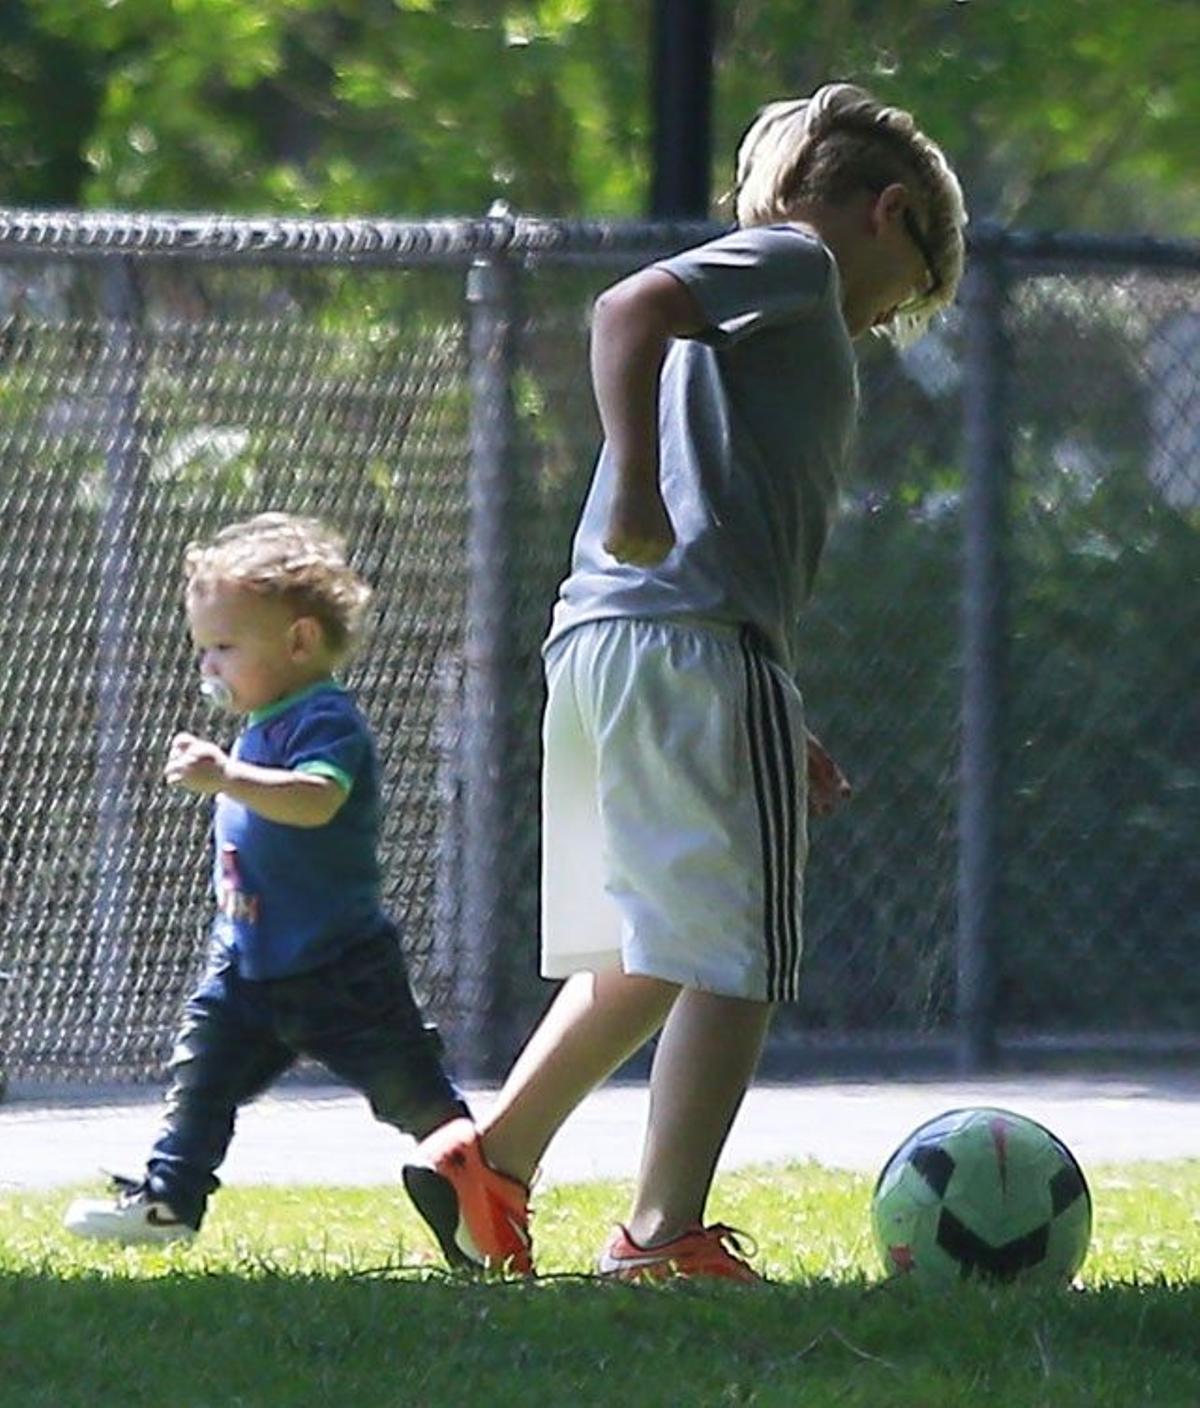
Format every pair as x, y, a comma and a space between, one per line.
633, 322
278, 794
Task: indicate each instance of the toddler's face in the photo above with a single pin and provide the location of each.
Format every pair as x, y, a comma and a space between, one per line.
247, 641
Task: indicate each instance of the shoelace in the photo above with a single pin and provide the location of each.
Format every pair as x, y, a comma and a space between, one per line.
733, 1239
122, 1183
534, 1179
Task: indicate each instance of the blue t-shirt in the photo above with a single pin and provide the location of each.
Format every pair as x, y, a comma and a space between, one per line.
291, 898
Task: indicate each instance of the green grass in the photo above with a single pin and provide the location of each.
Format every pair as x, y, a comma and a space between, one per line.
305, 1297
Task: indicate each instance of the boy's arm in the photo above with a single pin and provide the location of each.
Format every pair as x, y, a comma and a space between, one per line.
278, 794
828, 786
632, 324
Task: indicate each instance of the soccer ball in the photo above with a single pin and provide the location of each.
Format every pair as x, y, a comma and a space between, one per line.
986, 1194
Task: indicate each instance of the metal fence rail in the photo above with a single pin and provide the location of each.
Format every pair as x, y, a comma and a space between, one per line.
1002, 650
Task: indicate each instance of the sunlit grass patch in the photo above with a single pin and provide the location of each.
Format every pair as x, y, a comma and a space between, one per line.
312, 1296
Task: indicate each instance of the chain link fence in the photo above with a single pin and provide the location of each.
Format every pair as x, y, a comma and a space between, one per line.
1001, 652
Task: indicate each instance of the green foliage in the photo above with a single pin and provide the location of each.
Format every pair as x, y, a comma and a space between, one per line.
346, 107
880, 677
44, 122
1053, 111
1101, 774
1101, 910
1101, 919
1067, 112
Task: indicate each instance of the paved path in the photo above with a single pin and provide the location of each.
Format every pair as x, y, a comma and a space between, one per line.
310, 1134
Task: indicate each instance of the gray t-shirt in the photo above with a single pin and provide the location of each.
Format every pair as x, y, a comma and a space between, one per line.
756, 421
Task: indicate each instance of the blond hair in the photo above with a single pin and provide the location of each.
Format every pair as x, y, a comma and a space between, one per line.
840, 140
297, 560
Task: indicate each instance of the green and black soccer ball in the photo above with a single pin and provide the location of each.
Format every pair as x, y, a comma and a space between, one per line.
985, 1194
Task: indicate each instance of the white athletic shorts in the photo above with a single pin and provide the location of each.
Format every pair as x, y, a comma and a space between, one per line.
673, 808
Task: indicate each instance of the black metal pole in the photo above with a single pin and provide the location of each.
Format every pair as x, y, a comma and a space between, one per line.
984, 632
682, 107
488, 653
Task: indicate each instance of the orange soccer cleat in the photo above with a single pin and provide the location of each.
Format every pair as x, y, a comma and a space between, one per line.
702, 1251
479, 1216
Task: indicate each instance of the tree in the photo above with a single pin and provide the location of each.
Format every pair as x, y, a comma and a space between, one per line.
1076, 113
44, 124
340, 106
1055, 112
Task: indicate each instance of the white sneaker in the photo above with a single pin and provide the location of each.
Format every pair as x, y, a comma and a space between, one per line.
132, 1217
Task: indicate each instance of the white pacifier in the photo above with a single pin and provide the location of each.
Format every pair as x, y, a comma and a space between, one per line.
216, 692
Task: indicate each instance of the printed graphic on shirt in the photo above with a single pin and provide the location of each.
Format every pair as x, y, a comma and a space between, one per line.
232, 899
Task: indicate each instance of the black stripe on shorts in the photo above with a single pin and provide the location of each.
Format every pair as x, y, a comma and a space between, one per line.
773, 764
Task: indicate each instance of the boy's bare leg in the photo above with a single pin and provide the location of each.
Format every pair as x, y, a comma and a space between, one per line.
595, 1022
706, 1057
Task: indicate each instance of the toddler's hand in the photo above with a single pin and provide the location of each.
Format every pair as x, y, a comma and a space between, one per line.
639, 529
828, 787
195, 764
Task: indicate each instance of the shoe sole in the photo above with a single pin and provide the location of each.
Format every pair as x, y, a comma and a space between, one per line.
435, 1199
128, 1237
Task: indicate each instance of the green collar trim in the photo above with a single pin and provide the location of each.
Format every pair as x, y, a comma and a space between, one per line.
268, 711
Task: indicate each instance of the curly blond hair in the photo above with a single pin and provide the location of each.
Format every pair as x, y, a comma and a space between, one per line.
298, 560
838, 141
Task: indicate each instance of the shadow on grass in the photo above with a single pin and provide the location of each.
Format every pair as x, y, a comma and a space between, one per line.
255, 1337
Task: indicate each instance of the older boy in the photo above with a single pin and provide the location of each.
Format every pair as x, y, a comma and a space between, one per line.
674, 790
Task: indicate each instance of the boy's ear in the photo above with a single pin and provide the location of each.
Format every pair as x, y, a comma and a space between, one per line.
304, 636
889, 205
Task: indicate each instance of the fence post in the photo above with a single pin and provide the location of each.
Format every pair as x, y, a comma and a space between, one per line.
488, 675
121, 307
984, 639
5, 979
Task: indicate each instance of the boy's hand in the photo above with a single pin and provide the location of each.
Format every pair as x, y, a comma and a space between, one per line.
196, 765
639, 527
828, 787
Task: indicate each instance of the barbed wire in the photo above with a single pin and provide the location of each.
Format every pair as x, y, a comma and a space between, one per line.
501, 231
